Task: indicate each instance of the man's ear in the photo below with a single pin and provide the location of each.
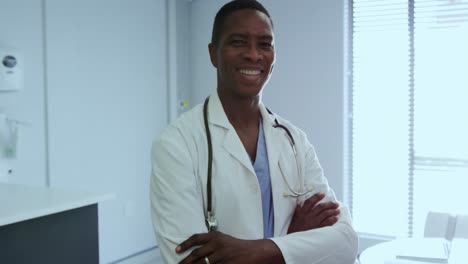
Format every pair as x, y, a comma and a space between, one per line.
273, 64
213, 55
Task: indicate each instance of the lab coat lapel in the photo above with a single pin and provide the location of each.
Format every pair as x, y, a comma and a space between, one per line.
231, 142
274, 138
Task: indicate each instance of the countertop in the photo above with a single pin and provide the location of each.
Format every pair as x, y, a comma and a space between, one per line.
23, 202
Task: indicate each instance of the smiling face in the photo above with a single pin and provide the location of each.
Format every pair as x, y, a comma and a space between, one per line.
244, 55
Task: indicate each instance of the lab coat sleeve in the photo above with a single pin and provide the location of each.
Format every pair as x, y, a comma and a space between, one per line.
176, 199
335, 244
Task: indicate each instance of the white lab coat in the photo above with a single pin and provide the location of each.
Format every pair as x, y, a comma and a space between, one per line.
178, 188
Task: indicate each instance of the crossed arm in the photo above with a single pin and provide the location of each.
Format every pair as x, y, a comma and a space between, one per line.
318, 233
222, 248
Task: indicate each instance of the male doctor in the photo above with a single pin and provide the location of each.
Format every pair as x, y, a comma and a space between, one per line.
270, 199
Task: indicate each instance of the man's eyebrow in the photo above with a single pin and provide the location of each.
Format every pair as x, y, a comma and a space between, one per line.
266, 37
237, 35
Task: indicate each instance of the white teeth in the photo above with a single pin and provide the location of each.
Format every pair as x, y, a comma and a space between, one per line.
249, 72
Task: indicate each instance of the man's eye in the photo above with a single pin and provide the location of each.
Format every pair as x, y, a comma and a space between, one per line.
267, 45
238, 42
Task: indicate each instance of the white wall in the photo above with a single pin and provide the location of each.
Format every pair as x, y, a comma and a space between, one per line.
21, 29
96, 81
184, 71
307, 83
107, 98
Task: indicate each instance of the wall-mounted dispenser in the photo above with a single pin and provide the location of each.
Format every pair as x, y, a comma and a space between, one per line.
11, 70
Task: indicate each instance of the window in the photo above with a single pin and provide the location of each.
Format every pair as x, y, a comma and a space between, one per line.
408, 112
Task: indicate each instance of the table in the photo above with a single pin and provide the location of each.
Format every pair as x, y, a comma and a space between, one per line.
48, 225
385, 253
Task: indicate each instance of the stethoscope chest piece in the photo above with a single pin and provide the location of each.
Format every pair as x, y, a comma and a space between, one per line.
211, 222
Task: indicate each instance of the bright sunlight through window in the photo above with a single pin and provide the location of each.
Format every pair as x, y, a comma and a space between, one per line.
409, 101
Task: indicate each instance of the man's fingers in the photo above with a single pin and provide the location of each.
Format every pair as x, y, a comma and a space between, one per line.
194, 240
313, 200
328, 217
215, 257
329, 213
329, 221
319, 208
198, 255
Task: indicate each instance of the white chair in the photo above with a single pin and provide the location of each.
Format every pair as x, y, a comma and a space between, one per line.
461, 227
439, 225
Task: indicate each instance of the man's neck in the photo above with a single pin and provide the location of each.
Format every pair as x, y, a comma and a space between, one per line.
242, 113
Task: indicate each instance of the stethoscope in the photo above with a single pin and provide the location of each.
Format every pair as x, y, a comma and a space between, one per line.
210, 221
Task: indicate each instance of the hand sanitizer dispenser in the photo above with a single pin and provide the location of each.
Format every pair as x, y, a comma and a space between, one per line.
11, 70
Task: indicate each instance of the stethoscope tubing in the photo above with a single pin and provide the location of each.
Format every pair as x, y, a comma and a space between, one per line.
210, 220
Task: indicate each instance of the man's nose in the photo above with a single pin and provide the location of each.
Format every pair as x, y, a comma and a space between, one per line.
253, 53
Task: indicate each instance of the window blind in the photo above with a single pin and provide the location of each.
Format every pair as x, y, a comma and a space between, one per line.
441, 108
409, 112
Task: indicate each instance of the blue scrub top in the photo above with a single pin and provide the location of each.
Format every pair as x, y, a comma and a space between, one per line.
262, 170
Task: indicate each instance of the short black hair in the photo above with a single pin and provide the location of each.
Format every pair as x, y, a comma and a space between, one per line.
230, 8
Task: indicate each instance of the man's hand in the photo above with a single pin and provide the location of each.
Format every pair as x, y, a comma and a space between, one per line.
222, 248
313, 215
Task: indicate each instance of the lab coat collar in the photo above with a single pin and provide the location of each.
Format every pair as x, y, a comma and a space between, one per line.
217, 116
274, 137
231, 141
